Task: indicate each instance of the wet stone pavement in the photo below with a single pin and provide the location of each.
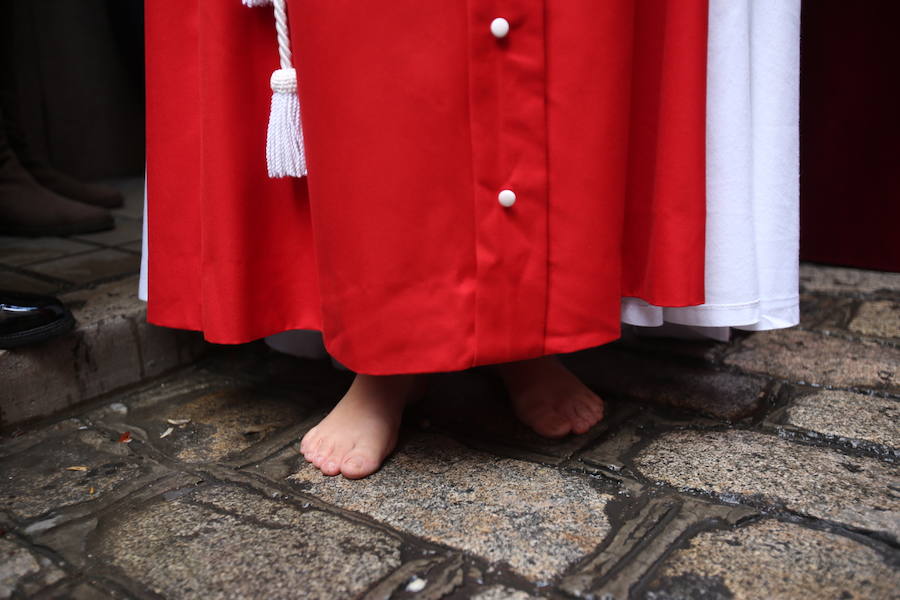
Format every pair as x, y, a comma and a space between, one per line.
766, 467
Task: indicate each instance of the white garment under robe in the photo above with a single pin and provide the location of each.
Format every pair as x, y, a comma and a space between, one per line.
752, 181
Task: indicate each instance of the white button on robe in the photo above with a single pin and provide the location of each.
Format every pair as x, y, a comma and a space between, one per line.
499, 27
506, 198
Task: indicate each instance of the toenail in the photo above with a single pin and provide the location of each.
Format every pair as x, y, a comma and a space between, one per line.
355, 462
330, 466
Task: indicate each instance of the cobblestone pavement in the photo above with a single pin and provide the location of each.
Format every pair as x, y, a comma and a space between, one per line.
761, 468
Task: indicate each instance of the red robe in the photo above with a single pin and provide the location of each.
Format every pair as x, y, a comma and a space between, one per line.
415, 118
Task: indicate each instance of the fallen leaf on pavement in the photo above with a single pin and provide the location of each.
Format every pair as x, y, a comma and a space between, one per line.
125, 437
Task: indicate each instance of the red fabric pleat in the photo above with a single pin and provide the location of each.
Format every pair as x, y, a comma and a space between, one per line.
667, 156
232, 251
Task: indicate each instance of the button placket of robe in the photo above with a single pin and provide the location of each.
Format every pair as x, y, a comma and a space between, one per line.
507, 97
500, 29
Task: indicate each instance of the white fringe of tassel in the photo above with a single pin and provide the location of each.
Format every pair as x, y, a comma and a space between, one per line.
285, 151
284, 142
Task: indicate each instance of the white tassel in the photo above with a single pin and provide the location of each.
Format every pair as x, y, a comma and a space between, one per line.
284, 142
285, 153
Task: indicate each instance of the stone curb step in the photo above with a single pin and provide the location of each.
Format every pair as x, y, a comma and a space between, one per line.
112, 346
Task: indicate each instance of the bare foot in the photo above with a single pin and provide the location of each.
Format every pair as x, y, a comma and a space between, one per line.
361, 430
548, 398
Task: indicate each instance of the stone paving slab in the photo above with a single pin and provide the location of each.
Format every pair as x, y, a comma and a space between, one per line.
22, 282
500, 592
808, 357
264, 548
651, 524
827, 313
535, 518
76, 466
667, 382
764, 470
612, 455
206, 422
429, 578
880, 318
771, 559
842, 280
17, 251
68, 531
111, 347
20, 441
610, 452
40, 380
844, 415
181, 385
89, 267
77, 590
25, 571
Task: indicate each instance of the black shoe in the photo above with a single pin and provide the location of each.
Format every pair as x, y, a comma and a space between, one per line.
30, 318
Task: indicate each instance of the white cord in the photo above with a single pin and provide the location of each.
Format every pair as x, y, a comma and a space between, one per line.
285, 152
281, 28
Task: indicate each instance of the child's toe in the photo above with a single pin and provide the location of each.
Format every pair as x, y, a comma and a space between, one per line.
593, 403
323, 449
569, 410
551, 424
581, 427
359, 464
330, 467
331, 464
307, 441
587, 415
